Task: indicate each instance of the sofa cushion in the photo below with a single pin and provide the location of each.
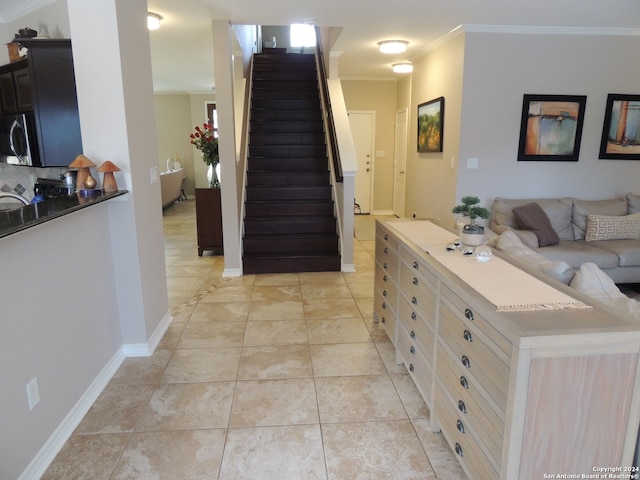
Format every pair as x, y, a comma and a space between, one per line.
627, 251
605, 227
575, 253
558, 210
526, 236
633, 203
592, 281
532, 217
582, 208
509, 243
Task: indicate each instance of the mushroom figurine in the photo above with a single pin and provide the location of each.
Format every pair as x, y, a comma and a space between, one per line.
84, 180
109, 184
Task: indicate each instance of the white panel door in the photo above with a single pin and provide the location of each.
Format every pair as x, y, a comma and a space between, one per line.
400, 162
362, 125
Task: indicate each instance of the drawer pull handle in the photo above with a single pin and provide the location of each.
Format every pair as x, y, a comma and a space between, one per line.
386, 250
415, 281
459, 450
464, 382
384, 305
468, 313
386, 237
465, 361
460, 426
384, 278
384, 320
462, 407
413, 334
411, 367
413, 316
384, 265
384, 293
415, 265
414, 300
467, 336
412, 350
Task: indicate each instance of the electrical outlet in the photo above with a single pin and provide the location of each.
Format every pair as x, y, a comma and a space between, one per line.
153, 175
33, 394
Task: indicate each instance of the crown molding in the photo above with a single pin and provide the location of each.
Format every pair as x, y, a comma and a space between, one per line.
368, 79
23, 8
549, 30
525, 30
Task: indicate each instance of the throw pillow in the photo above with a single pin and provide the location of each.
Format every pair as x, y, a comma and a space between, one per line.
532, 217
604, 227
509, 243
633, 203
582, 208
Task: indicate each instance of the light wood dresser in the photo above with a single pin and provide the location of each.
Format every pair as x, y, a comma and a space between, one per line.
517, 395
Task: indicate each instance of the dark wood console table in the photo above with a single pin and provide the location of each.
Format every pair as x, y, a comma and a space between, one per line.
209, 220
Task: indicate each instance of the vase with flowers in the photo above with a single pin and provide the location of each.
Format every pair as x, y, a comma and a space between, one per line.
203, 139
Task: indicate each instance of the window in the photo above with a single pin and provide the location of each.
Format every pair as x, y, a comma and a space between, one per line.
303, 35
212, 118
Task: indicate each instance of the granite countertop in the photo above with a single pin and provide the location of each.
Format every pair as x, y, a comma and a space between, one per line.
22, 218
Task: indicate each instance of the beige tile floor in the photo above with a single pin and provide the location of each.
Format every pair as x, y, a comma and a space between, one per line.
260, 377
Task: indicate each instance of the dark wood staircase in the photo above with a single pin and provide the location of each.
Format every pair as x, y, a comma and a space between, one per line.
289, 223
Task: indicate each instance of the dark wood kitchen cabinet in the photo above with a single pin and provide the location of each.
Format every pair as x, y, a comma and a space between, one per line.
43, 85
209, 219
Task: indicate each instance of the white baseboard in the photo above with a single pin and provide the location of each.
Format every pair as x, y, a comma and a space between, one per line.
348, 267
232, 272
59, 437
382, 212
147, 349
56, 441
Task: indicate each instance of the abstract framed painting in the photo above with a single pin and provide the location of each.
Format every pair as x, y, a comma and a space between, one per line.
551, 127
621, 128
431, 125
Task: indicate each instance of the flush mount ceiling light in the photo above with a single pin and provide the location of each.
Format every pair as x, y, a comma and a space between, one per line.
404, 67
153, 21
393, 46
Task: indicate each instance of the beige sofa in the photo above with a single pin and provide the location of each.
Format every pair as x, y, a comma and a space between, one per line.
589, 231
171, 186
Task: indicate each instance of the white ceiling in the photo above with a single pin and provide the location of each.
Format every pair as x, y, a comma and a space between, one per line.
182, 55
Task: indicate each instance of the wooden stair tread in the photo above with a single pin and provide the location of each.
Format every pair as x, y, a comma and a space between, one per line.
290, 222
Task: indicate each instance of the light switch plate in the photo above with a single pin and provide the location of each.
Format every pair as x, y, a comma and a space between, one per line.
473, 163
33, 394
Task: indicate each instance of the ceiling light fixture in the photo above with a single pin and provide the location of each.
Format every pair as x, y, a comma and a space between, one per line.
404, 67
393, 46
153, 21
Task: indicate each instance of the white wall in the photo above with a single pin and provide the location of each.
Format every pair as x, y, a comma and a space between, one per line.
498, 69
231, 192
59, 324
430, 180
113, 76
79, 292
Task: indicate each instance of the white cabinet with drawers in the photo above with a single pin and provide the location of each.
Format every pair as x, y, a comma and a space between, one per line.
517, 395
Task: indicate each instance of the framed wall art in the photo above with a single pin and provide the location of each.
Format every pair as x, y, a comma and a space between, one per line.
621, 129
431, 125
551, 127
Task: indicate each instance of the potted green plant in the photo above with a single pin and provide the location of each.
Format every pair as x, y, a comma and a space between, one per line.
469, 210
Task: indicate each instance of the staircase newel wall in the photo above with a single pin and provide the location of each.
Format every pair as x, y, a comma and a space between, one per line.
230, 193
346, 189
